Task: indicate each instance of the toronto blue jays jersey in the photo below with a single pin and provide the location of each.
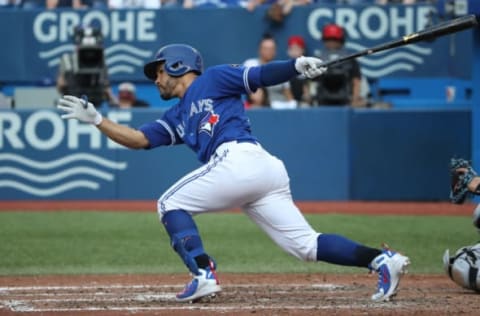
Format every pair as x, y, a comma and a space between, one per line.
210, 113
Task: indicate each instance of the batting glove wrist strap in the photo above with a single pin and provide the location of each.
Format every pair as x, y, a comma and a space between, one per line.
80, 109
310, 67
98, 119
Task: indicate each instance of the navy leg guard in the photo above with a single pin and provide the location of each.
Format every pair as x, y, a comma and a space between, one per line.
184, 237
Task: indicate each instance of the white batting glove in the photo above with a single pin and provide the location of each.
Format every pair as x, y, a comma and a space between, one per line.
309, 66
79, 109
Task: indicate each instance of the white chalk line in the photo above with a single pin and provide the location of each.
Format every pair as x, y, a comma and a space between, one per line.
324, 286
137, 298
217, 308
22, 303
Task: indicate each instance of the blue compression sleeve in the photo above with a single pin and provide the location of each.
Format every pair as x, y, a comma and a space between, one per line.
340, 250
277, 72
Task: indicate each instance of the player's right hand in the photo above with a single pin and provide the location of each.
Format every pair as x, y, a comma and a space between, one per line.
309, 66
79, 109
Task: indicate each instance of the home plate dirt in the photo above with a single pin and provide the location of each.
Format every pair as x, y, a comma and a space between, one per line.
253, 294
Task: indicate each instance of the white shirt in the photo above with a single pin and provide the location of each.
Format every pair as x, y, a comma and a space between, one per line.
8, 2
123, 4
275, 93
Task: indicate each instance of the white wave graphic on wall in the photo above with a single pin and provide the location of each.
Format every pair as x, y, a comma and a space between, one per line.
120, 58
45, 192
56, 176
44, 186
121, 69
64, 160
387, 70
129, 49
123, 58
385, 63
389, 59
57, 51
412, 47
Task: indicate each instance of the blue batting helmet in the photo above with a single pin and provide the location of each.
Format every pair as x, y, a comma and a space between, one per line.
178, 58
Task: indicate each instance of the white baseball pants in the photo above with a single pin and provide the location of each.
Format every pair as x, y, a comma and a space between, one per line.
247, 176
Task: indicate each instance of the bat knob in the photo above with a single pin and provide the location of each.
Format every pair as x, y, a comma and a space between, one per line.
85, 101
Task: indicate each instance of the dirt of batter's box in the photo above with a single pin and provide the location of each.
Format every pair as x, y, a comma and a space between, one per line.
252, 294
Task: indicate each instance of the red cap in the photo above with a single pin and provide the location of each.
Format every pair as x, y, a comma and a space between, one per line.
296, 39
333, 32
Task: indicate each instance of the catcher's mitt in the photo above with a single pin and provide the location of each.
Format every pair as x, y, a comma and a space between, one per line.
461, 174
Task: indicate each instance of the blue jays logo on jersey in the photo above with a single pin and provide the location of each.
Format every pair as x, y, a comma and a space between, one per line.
207, 124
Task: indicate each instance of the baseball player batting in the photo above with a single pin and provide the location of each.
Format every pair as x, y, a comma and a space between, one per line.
236, 172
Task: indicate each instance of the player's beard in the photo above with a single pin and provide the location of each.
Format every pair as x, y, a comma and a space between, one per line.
166, 91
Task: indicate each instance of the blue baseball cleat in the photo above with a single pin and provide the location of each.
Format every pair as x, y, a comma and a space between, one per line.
390, 266
202, 285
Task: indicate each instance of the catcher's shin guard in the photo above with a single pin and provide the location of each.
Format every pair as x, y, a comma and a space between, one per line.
463, 267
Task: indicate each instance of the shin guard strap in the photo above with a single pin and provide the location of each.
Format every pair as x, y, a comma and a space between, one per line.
180, 242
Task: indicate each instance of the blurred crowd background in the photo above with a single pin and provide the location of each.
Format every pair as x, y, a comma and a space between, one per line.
345, 84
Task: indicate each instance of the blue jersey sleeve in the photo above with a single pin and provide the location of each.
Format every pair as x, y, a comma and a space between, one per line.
161, 132
234, 79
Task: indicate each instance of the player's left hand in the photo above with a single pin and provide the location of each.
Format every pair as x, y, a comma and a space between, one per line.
309, 66
79, 109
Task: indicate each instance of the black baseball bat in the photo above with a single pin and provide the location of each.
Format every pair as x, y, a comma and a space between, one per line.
445, 28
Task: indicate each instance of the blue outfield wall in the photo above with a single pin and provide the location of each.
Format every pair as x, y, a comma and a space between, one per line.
331, 154
404, 155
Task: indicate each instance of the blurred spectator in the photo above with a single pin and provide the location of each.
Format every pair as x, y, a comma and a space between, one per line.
170, 3
280, 96
267, 50
398, 1
300, 86
75, 4
5, 101
84, 71
277, 9
354, 2
258, 99
286, 5
127, 97
132, 4
189, 4
341, 84
10, 3
24, 4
